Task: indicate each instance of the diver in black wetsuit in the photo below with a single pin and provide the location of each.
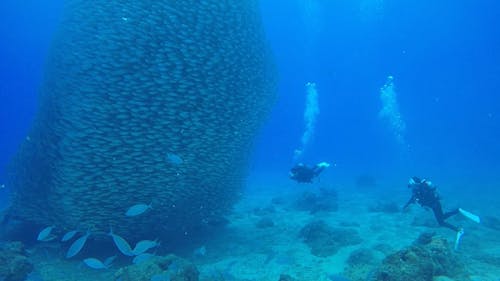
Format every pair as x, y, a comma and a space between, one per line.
304, 174
424, 193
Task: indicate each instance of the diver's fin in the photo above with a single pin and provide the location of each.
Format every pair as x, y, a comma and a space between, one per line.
323, 165
469, 215
460, 232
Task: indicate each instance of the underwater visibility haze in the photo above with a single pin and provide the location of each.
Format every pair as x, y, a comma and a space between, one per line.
250, 140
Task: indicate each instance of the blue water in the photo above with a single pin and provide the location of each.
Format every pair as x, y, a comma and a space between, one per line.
444, 57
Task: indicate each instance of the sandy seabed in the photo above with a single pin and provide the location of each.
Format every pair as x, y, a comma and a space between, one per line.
245, 251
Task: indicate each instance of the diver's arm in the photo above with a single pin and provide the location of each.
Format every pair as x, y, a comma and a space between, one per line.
411, 201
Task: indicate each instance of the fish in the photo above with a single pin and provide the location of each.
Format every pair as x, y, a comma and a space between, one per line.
77, 246
142, 258
138, 209
108, 261
174, 159
69, 235
144, 245
95, 263
44, 235
121, 244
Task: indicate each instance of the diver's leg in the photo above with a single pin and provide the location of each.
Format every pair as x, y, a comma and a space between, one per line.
440, 217
451, 213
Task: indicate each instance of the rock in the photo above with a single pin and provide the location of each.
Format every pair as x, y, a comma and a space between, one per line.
360, 264
422, 262
325, 240
14, 265
325, 200
425, 238
361, 256
177, 269
286, 277
383, 248
264, 223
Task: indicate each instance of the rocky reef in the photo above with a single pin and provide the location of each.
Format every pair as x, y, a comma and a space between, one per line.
360, 264
14, 264
325, 240
159, 268
428, 258
325, 200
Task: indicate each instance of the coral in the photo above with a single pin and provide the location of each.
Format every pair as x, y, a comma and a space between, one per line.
175, 268
422, 262
14, 265
325, 240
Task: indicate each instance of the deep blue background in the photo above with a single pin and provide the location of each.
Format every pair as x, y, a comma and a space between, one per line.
444, 55
445, 58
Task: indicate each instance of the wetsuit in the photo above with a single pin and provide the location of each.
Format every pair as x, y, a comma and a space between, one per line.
304, 174
426, 195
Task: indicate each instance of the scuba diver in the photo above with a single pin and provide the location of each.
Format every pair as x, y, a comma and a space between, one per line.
424, 193
304, 174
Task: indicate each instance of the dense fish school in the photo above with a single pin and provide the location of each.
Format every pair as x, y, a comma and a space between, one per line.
127, 83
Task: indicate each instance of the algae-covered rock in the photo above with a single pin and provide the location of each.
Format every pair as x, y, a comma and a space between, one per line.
326, 200
14, 265
325, 240
172, 267
360, 264
422, 262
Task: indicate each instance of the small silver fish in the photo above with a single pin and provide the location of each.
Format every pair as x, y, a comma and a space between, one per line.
94, 263
44, 235
144, 245
174, 159
69, 235
77, 246
138, 209
121, 244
